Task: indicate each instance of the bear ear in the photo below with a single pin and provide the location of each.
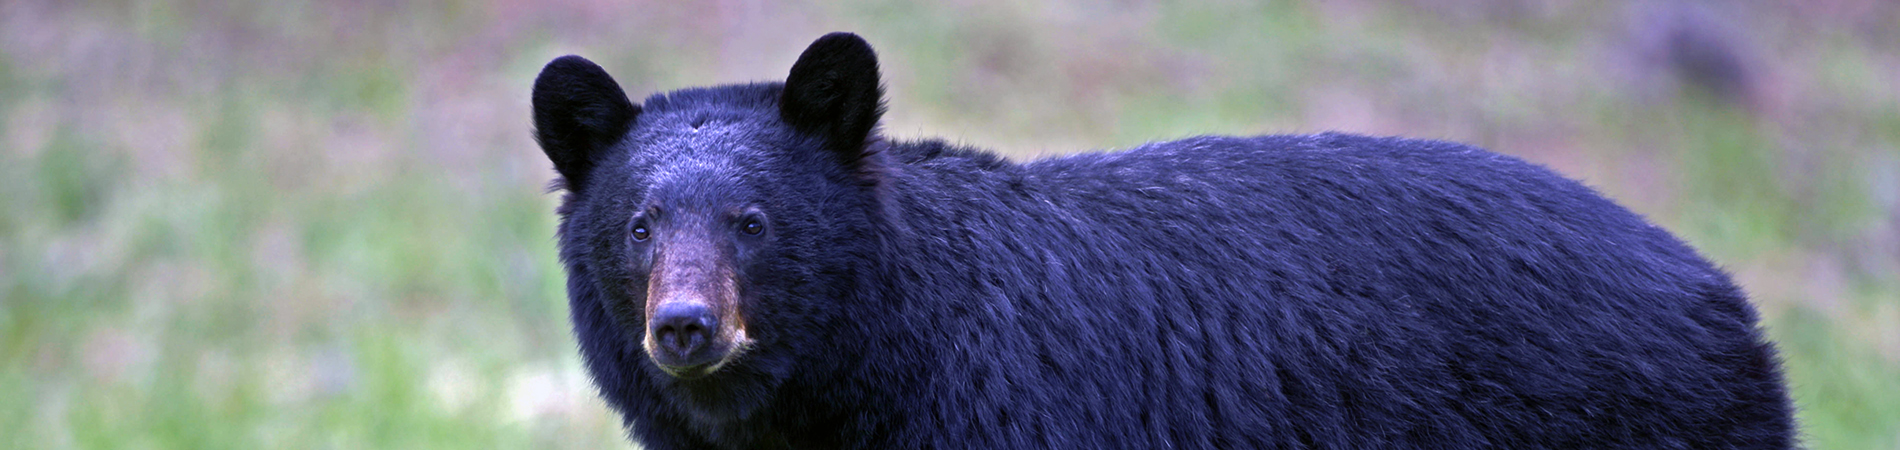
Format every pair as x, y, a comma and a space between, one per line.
833, 93
578, 113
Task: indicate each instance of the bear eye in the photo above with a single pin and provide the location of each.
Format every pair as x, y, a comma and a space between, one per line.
752, 227
640, 233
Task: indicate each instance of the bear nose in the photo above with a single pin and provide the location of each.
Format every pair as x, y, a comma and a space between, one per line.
683, 329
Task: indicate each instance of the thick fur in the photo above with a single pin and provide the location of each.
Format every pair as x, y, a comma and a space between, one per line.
1315, 291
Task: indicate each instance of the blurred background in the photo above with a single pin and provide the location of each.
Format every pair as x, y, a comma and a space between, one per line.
324, 224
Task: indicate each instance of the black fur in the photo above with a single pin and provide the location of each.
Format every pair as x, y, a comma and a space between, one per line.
833, 93
579, 111
1317, 291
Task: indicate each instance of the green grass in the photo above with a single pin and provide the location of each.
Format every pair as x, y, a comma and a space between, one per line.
1847, 389
301, 225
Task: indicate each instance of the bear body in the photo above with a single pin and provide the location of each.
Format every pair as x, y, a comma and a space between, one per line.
1313, 291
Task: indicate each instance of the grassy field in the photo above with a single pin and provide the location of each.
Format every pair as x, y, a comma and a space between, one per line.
308, 224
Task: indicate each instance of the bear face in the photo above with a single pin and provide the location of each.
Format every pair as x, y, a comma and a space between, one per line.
689, 225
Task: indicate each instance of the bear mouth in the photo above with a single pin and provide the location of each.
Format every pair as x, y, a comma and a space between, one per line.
735, 347
688, 372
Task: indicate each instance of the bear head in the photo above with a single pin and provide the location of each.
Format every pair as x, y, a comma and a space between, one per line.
714, 237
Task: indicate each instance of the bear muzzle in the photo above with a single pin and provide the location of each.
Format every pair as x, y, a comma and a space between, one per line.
690, 339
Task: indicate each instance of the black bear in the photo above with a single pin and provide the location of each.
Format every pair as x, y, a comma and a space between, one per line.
754, 267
